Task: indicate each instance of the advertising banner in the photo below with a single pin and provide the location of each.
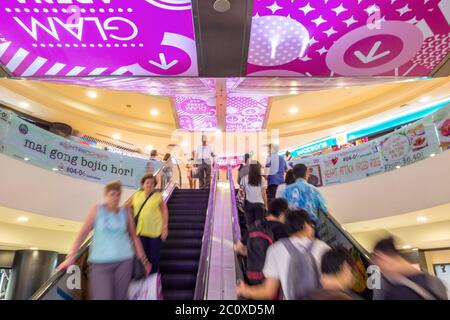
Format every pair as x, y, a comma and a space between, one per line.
351, 164
408, 145
39, 147
442, 123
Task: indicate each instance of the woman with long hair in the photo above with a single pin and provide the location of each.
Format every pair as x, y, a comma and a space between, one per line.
255, 186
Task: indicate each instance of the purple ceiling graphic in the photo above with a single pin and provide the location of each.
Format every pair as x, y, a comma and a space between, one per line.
246, 113
92, 38
196, 113
324, 38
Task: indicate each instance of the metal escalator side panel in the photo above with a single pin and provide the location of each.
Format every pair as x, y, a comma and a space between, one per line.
201, 284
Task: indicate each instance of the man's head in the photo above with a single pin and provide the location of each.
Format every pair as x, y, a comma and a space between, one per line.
337, 264
301, 171
204, 139
386, 256
278, 209
154, 153
272, 148
246, 158
299, 224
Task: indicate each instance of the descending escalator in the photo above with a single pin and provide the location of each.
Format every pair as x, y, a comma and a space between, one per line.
181, 251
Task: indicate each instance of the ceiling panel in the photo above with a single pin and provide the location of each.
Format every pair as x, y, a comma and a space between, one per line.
246, 113
325, 38
78, 38
196, 113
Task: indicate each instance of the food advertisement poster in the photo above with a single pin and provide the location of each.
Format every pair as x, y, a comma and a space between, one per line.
442, 123
351, 164
408, 145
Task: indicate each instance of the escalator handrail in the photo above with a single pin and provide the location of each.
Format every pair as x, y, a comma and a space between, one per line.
45, 288
236, 226
347, 235
201, 284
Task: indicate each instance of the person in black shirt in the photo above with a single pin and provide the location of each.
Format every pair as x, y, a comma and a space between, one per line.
260, 236
337, 276
402, 281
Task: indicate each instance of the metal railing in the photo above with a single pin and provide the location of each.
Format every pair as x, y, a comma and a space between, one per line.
202, 282
55, 278
236, 227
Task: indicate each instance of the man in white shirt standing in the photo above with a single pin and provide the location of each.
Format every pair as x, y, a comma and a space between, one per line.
204, 160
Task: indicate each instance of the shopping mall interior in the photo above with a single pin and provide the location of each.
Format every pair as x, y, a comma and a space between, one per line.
97, 91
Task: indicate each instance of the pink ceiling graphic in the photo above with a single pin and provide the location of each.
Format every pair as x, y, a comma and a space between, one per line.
246, 113
119, 38
324, 38
196, 113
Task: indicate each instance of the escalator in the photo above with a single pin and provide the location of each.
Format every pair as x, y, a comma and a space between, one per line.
180, 253
329, 231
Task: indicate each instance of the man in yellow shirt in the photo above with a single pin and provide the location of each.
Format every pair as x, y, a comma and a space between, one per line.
152, 223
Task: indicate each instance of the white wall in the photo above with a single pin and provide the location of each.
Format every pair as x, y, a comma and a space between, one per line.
415, 187
29, 188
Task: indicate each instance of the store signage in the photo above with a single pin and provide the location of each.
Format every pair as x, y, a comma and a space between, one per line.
314, 147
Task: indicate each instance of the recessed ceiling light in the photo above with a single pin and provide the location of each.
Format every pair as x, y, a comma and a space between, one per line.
91, 94
55, 169
432, 155
24, 105
293, 110
415, 249
23, 219
116, 136
34, 248
398, 167
154, 112
425, 99
149, 147
406, 247
421, 219
184, 143
26, 159
218, 132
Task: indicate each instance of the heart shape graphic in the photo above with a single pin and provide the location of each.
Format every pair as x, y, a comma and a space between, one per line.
334, 161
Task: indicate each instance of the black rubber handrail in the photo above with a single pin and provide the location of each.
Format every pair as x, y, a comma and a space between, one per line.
201, 284
45, 288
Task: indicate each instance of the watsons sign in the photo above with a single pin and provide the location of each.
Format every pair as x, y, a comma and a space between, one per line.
313, 147
36, 146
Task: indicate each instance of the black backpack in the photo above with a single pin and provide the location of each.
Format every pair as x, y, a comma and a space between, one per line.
260, 237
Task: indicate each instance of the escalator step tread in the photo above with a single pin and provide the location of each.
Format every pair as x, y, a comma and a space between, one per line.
178, 294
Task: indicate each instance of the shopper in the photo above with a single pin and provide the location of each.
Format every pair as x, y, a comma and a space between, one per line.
255, 186
243, 168
152, 220
288, 180
337, 276
402, 280
166, 171
302, 195
114, 245
255, 243
154, 155
288, 158
296, 272
276, 168
204, 162
192, 172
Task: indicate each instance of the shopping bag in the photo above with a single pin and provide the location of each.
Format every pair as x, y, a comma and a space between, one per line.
148, 288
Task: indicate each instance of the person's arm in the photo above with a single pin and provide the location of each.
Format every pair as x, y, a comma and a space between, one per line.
137, 244
268, 290
165, 220
264, 195
322, 203
82, 235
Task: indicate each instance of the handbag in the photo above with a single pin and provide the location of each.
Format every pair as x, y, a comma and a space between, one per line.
195, 173
146, 289
138, 268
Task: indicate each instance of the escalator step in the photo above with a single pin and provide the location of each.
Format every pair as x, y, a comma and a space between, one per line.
178, 266
186, 219
190, 234
183, 226
179, 281
184, 212
179, 295
176, 254
187, 206
182, 243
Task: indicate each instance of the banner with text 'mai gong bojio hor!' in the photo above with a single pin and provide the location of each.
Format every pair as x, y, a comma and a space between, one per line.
42, 148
